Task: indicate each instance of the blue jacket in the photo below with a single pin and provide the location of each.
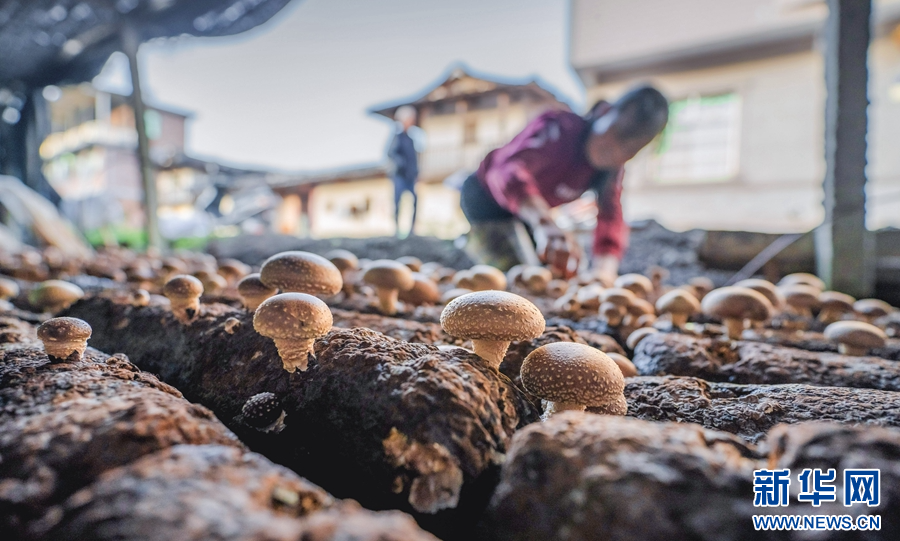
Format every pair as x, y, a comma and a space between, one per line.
402, 154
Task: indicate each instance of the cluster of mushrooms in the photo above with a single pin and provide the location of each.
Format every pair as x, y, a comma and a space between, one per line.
482, 305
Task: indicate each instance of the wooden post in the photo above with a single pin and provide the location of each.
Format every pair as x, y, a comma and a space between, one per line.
130, 43
844, 248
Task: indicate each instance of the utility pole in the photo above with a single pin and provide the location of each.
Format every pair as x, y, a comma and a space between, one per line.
844, 248
130, 43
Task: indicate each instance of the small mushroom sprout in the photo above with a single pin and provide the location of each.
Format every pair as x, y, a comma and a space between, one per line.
735, 305
64, 338
263, 412
388, 277
183, 292
54, 296
293, 321
301, 272
253, 291
572, 376
855, 337
491, 320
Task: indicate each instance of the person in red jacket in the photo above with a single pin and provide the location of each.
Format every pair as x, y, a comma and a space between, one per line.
558, 157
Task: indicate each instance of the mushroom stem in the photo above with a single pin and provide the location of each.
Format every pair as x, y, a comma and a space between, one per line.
347, 286
556, 407
735, 328
185, 311
491, 351
295, 352
252, 302
679, 320
855, 351
63, 350
387, 300
829, 316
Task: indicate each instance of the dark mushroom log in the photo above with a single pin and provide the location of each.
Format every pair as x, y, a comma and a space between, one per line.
584, 477
759, 363
94, 448
216, 492
750, 410
391, 424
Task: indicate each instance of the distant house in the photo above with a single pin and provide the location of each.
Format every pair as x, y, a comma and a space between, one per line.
90, 158
744, 148
463, 117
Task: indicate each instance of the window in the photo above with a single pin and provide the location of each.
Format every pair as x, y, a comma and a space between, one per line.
701, 142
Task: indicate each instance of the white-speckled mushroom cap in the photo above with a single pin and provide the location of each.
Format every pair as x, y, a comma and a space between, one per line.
292, 316
767, 288
618, 296
803, 278
252, 286
835, 300
678, 301
638, 284
486, 277
872, 307
343, 259
183, 286
389, 274
737, 303
492, 315
856, 334
301, 272
801, 295
573, 373
63, 329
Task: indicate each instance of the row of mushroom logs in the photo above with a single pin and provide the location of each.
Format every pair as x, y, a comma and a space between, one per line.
565, 375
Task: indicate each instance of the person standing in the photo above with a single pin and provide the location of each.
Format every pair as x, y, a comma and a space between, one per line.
404, 163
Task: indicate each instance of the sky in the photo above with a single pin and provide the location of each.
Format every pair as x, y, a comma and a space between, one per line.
293, 94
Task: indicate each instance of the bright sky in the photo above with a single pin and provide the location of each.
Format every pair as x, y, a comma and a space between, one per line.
293, 93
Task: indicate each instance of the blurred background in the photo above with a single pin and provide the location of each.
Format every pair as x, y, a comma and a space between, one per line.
273, 116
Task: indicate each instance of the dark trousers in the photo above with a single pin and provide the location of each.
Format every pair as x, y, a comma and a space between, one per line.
478, 204
403, 185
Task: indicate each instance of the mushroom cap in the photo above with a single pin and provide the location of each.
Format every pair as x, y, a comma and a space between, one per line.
233, 269
261, 410
637, 335
737, 303
641, 307
804, 278
8, 288
638, 284
412, 262
492, 315
624, 363
292, 315
678, 301
486, 277
619, 296
451, 294
536, 277
872, 307
63, 329
589, 295
856, 333
836, 301
389, 274
573, 373
702, 284
423, 291
183, 286
301, 272
343, 259
55, 292
801, 295
767, 288
252, 286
